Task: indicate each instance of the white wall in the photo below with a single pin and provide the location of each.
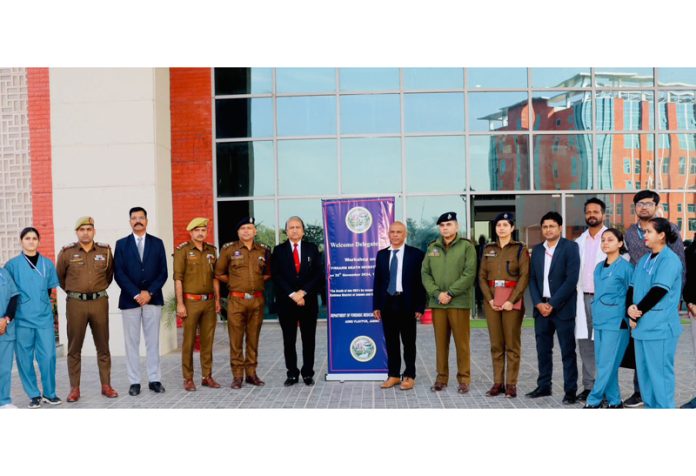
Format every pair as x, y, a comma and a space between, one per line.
111, 144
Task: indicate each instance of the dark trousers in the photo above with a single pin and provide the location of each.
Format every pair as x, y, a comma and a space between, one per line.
544, 328
289, 319
399, 324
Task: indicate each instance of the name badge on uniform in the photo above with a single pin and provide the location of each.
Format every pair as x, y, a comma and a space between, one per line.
434, 252
76, 258
491, 254
99, 258
191, 254
237, 255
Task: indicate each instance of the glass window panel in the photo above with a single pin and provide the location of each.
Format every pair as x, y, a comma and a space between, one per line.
433, 78
307, 167
230, 212
498, 111
381, 157
436, 112
625, 160
625, 111
497, 78
422, 214
618, 214
435, 164
245, 169
623, 77
305, 80
305, 116
243, 81
236, 118
369, 79
561, 78
676, 77
563, 162
373, 113
564, 111
676, 161
676, 110
499, 162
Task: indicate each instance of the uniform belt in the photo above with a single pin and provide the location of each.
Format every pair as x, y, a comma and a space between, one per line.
501, 283
199, 297
240, 295
87, 296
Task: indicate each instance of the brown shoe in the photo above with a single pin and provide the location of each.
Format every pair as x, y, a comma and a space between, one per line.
463, 388
495, 390
74, 395
107, 391
390, 382
407, 384
237, 383
510, 391
189, 386
438, 386
209, 381
255, 380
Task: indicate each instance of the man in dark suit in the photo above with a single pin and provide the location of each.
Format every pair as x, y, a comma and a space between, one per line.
399, 301
140, 269
555, 267
298, 276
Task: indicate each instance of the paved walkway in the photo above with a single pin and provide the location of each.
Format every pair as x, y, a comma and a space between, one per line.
335, 394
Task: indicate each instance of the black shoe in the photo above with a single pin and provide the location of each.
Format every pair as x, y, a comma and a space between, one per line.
634, 401
290, 381
587, 405
539, 392
690, 404
156, 387
134, 390
570, 398
618, 405
308, 380
582, 396
51, 401
35, 402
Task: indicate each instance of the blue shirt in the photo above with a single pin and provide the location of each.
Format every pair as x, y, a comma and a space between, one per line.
611, 284
7, 291
34, 282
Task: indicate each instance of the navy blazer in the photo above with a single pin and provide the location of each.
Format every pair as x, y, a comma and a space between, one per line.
414, 292
286, 280
134, 276
563, 278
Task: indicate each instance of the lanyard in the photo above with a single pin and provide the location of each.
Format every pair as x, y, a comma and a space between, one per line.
43, 266
649, 269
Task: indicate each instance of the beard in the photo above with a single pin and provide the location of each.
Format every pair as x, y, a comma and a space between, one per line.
592, 221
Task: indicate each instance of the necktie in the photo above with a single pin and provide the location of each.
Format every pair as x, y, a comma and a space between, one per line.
140, 247
393, 268
296, 258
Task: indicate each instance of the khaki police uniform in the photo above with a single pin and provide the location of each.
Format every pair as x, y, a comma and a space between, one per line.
196, 270
504, 267
85, 275
245, 269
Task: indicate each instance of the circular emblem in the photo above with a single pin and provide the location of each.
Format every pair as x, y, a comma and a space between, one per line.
363, 348
358, 219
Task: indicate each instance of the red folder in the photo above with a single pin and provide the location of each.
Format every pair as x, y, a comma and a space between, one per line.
500, 295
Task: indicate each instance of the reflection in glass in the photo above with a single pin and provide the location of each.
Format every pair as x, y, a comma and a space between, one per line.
561, 78
515, 78
618, 213
625, 111
435, 112
422, 214
304, 116
562, 111
623, 77
625, 161
307, 167
676, 110
371, 165
369, 79
435, 164
499, 162
676, 161
433, 78
245, 169
243, 118
243, 81
676, 77
372, 113
305, 80
498, 111
563, 162
230, 212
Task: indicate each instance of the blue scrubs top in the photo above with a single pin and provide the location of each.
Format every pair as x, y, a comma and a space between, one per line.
611, 284
34, 309
7, 291
664, 271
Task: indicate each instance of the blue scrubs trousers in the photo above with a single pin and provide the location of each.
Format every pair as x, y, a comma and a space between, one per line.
655, 366
6, 354
40, 344
610, 347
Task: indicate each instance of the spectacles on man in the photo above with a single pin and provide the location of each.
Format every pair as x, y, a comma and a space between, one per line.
645, 204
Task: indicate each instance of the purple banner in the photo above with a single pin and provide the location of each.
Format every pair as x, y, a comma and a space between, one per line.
355, 230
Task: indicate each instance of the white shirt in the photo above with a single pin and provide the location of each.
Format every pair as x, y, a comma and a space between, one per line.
136, 237
299, 255
399, 268
548, 256
589, 260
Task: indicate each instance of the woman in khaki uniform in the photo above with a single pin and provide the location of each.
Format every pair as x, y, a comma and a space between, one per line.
503, 277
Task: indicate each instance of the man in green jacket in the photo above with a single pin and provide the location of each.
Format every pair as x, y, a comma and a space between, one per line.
448, 274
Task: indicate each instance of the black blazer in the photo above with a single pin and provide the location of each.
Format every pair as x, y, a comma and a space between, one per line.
414, 292
133, 276
286, 280
563, 278
690, 282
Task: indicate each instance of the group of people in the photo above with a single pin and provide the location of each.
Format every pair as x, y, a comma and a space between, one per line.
618, 311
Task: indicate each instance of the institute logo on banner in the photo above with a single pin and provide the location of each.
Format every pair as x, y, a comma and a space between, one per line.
363, 348
358, 219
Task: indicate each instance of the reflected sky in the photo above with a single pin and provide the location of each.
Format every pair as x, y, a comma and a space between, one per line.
307, 167
369, 79
492, 111
305, 116
437, 112
371, 165
509, 78
433, 78
371, 114
435, 163
305, 80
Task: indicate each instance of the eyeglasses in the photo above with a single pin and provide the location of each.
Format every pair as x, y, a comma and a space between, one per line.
645, 205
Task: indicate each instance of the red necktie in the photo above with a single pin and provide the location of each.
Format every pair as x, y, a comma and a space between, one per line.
296, 258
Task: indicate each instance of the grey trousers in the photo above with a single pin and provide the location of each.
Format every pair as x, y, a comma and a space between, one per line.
148, 318
586, 348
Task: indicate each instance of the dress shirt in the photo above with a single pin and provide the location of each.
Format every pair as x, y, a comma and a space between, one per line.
299, 256
548, 256
400, 267
589, 261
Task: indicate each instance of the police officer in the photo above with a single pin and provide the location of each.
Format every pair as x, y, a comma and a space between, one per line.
245, 266
503, 277
197, 300
85, 270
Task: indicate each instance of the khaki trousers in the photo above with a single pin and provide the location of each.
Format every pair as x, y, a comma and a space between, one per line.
504, 331
446, 323
198, 314
80, 314
244, 318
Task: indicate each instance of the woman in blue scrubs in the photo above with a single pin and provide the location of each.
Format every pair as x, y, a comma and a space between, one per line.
654, 314
35, 277
612, 278
8, 305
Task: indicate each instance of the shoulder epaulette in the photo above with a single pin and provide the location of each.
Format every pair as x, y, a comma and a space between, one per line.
228, 244
432, 242
264, 246
103, 245
211, 245
181, 245
69, 245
